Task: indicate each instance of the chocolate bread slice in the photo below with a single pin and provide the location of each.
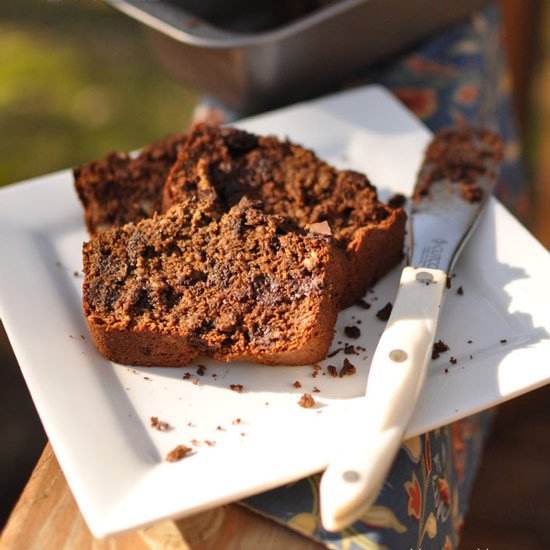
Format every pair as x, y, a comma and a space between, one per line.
235, 285
119, 189
225, 164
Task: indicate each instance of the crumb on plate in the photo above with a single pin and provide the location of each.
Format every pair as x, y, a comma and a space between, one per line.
177, 453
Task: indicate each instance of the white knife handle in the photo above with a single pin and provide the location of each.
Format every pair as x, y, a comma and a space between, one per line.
354, 478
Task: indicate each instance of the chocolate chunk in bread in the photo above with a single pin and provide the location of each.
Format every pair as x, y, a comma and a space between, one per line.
119, 189
239, 284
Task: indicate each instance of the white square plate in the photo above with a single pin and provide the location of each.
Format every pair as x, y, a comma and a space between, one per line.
97, 414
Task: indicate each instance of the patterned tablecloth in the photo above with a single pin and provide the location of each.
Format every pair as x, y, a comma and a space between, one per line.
455, 78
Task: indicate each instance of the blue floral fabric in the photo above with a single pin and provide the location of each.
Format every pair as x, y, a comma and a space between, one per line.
456, 78
422, 503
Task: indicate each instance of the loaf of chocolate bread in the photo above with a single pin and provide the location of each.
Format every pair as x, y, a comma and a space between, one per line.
226, 164
233, 284
118, 189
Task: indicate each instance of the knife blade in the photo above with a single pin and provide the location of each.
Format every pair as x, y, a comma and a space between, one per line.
455, 180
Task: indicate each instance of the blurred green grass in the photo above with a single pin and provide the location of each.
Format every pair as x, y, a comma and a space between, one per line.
78, 79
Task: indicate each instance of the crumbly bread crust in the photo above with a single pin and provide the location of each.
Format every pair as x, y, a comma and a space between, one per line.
225, 164
118, 189
235, 285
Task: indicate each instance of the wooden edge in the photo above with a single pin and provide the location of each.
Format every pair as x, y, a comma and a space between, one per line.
47, 517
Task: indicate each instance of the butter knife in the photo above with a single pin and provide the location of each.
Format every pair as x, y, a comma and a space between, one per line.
454, 183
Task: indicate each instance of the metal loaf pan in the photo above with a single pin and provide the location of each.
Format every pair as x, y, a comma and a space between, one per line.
230, 49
